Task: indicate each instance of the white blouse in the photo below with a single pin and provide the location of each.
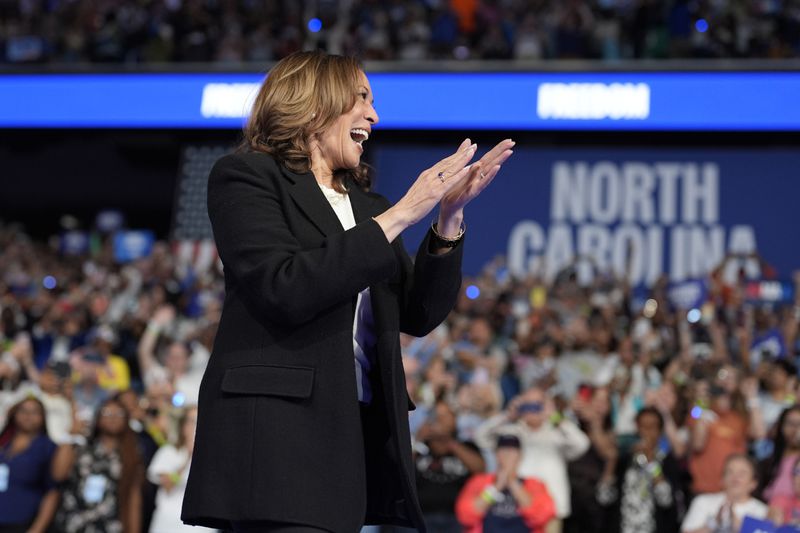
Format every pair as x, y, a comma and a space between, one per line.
363, 322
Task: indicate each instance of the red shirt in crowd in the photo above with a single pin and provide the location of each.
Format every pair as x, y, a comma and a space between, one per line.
536, 515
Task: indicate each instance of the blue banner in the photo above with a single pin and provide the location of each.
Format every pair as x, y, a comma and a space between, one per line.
668, 101
132, 245
689, 294
642, 213
754, 525
74, 242
110, 220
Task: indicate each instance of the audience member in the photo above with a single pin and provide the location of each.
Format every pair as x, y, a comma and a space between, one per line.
548, 440
784, 509
717, 431
644, 484
169, 470
589, 355
724, 511
506, 500
443, 463
127, 31
592, 406
102, 480
28, 497
776, 471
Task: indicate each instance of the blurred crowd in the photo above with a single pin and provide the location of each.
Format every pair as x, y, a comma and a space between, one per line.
233, 31
99, 377
540, 405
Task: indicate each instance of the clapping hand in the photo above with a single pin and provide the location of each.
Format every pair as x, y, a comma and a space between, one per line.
452, 183
480, 175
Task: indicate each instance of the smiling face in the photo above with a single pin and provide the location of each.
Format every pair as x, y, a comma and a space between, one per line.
340, 145
738, 479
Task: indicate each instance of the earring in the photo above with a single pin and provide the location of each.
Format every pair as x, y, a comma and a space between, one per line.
313, 115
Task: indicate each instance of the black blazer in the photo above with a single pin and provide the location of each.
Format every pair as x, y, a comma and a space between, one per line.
279, 435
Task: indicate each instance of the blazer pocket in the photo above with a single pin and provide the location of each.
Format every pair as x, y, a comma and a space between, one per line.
269, 380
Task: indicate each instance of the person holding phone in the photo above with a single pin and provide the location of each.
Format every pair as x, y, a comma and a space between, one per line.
717, 429
548, 441
98, 361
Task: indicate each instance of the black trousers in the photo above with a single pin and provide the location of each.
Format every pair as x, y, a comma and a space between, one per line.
273, 527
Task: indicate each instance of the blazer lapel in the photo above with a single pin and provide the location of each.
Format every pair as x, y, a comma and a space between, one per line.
363, 206
311, 200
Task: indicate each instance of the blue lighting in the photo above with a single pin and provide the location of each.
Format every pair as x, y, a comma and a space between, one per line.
701, 25
178, 399
314, 25
693, 316
49, 282
473, 292
697, 411
668, 101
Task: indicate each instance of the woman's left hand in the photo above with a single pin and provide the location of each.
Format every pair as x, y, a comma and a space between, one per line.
481, 174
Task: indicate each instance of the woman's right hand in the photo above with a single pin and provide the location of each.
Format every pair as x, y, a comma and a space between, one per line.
428, 190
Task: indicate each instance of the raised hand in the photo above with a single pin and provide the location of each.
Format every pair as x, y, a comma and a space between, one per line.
164, 315
480, 175
428, 190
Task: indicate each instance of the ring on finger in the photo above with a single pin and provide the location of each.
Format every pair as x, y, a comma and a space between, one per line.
440, 175
482, 174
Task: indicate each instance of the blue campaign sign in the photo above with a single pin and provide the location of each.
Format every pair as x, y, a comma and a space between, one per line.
689, 294
754, 525
132, 245
650, 212
668, 101
74, 242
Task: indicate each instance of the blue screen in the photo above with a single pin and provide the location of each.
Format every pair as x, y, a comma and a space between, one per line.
702, 101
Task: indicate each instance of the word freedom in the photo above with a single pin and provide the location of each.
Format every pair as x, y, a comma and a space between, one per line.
629, 217
593, 101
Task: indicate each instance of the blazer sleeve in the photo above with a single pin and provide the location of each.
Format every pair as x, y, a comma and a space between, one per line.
433, 290
431, 285
287, 284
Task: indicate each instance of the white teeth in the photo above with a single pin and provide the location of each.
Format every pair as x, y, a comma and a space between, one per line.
364, 134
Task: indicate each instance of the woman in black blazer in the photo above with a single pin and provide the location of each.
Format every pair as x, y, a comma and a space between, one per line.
303, 411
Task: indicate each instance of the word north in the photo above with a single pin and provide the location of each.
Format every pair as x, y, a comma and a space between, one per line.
632, 218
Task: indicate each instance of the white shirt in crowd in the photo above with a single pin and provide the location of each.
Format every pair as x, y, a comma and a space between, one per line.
705, 508
167, 516
545, 452
187, 384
